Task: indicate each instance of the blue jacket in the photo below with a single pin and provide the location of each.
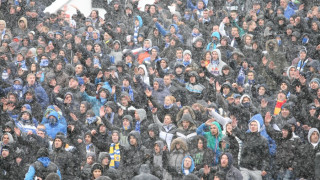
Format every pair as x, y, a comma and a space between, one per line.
164, 32
95, 102
61, 119
31, 172
58, 127
40, 93
288, 12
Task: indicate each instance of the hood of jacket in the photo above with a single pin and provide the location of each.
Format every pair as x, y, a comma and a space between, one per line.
135, 134
191, 167
25, 22
310, 133
142, 114
181, 141
140, 21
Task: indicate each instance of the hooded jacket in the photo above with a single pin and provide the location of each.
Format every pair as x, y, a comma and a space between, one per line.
232, 173
189, 133
133, 157
53, 129
201, 157
41, 168
254, 152
161, 92
216, 68
176, 157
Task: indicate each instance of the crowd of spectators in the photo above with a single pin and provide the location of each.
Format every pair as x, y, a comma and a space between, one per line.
193, 89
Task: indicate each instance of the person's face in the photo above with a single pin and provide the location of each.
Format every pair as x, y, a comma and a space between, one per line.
262, 91
248, 40
200, 144
187, 57
78, 69
292, 72
89, 160
314, 26
18, 160
167, 120
234, 31
312, 111
125, 83
179, 70
226, 90
250, 76
115, 136
192, 79
87, 139
185, 124
187, 163
283, 3
5, 139
285, 112
167, 80
214, 55
40, 133
205, 14
151, 134
254, 126
126, 123
124, 101
103, 94
105, 161
82, 108
146, 44
136, 115
57, 143
172, 30
2, 26
283, 86
281, 96
224, 161
5, 153
155, 85
97, 173
303, 55
73, 83
29, 96
178, 146
179, 54
31, 79
214, 130
167, 101
314, 137
141, 71
284, 133
156, 148
97, 48
25, 116
133, 141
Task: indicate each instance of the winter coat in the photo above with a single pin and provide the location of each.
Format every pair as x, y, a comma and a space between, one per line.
286, 147
159, 162
187, 134
145, 174
63, 159
166, 132
40, 93
96, 102
216, 70
161, 92
132, 158
52, 130
41, 168
176, 157
201, 157
254, 153
305, 158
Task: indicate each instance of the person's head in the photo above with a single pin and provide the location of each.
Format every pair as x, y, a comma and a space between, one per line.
88, 138
167, 119
115, 136
41, 130
58, 142
31, 79
261, 90
224, 161
133, 141
96, 170
73, 83
285, 112
314, 83
214, 128
254, 126
157, 148
5, 152
187, 163
168, 100
281, 96
284, 3
200, 144
313, 136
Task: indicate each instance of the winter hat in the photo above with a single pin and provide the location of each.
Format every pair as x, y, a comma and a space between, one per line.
142, 113
187, 52
91, 154
316, 80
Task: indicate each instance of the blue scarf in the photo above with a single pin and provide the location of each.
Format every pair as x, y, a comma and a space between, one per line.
251, 82
215, 62
301, 66
167, 107
111, 117
195, 34
135, 34
130, 92
91, 120
186, 63
44, 62
103, 100
138, 126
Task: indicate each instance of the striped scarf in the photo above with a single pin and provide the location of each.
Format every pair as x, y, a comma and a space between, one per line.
115, 155
135, 34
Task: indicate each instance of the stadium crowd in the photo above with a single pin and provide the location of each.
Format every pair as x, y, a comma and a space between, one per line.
185, 89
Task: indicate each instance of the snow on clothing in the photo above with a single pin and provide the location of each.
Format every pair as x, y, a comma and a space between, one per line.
212, 141
53, 129
167, 132
176, 156
41, 168
216, 65
164, 32
95, 102
40, 93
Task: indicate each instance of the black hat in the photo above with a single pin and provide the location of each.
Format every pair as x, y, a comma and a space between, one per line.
42, 152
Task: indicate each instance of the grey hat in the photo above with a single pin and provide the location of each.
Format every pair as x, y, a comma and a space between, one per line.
187, 52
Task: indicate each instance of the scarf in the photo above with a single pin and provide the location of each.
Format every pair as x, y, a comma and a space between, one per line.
130, 92
88, 147
91, 120
115, 155
126, 128
135, 34
168, 107
186, 63
110, 117
167, 127
301, 66
44, 62
195, 34
103, 100
138, 126
251, 81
